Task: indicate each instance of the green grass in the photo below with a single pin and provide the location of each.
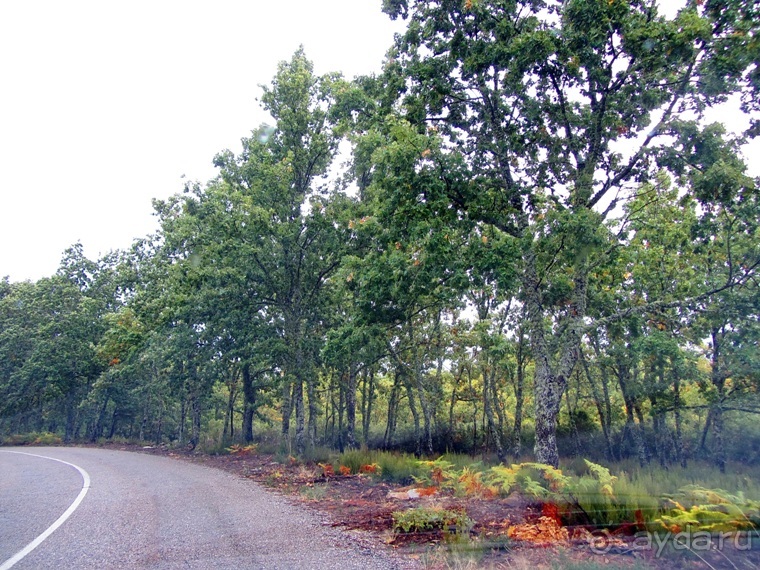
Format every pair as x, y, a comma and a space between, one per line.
649, 493
356, 459
627, 493
318, 454
32, 438
313, 492
393, 467
655, 480
398, 467
563, 562
422, 519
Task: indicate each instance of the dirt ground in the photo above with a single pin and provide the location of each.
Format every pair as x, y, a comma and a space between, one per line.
363, 506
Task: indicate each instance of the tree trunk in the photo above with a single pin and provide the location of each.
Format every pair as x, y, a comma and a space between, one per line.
114, 422
341, 411
550, 381
631, 427
393, 399
451, 431
415, 415
718, 378
145, 417
97, 429
706, 431
662, 435
488, 403
195, 412
288, 389
600, 407
573, 425
679, 444
311, 393
516, 443
499, 408
159, 427
426, 412
351, 406
300, 417
229, 424
71, 415
660, 430
182, 419
249, 404
329, 407
368, 398
719, 446
548, 392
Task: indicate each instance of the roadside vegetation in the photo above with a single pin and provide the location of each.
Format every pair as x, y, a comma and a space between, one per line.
456, 512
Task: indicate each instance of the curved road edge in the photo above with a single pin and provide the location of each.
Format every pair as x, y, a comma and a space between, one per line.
21, 554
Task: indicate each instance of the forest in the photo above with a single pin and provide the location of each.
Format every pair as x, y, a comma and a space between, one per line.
524, 237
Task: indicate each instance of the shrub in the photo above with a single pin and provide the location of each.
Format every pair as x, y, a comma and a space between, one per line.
356, 459
32, 438
16, 439
715, 510
318, 454
422, 519
47, 438
532, 479
313, 492
237, 449
270, 442
398, 468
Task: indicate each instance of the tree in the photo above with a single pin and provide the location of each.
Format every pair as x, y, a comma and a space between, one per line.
542, 117
50, 329
259, 244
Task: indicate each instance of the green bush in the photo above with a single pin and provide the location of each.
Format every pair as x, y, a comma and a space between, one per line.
422, 519
356, 459
17, 439
398, 468
714, 510
32, 438
47, 438
318, 454
268, 441
393, 467
313, 492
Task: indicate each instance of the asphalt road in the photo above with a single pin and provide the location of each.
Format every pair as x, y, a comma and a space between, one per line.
144, 511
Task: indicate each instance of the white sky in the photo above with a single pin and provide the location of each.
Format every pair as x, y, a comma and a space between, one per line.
104, 105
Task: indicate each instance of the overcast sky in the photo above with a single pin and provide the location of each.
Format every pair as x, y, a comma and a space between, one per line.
104, 105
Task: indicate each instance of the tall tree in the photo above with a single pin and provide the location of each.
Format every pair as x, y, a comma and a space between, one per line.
50, 330
260, 243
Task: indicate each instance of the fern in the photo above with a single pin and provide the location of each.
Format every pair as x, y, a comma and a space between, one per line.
605, 478
518, 477
533, 488
424, 519
437, 472
501, 477
712, 510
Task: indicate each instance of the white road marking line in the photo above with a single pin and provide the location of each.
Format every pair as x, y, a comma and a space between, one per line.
62, 519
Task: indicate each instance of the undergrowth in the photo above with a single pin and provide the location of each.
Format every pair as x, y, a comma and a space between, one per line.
392, 467
595, 498
584, 494
422, 519
32, 438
